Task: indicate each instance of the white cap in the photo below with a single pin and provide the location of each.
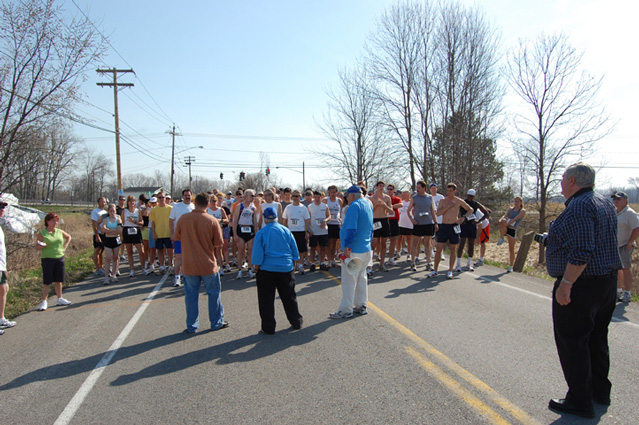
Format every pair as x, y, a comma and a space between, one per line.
471, 192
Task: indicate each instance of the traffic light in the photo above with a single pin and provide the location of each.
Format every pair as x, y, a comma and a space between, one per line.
268, 171
221, 176
242, 175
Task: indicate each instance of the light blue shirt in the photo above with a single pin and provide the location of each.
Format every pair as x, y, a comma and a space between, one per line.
357, 228
274, 248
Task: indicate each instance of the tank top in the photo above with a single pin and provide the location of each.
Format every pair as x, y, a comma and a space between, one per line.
127, 214
422, 209
110, 225
246, 215
512, 214
55, 244
333, 207
217, 213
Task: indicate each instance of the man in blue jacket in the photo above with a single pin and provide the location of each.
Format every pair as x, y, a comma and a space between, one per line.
356, 235
274, 256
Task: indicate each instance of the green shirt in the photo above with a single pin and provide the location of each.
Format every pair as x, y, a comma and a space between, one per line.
55, 244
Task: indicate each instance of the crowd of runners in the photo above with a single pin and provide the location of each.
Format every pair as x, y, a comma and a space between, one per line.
415, 224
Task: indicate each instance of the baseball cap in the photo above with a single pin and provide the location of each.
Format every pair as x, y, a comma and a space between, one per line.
3, 204
471, 192
354, 189
433, 184
620, 195
153, 199
269, 213
229, 193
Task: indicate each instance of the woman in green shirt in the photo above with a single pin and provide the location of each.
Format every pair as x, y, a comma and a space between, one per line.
52, 242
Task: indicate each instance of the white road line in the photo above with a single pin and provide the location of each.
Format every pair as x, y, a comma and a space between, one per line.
86, 387
545, 297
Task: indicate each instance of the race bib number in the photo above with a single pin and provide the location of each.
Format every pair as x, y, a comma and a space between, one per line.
424, 213
294, 221
245, 229
377, 225
457, 229
132, 231
117, 240
333, 216
319, 221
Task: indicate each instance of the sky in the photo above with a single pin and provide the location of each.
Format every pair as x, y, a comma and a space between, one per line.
244, 77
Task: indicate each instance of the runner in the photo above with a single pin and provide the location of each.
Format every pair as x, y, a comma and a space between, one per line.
245, 221
223, 220
132, 221
269, 201
405, 226
98, 247
483, 227
421, 212
335, 205
508, 225
320, 215
178, 210
437, 197
161, 231
449, 230
393, 220
469, 230
298, 220
381, 208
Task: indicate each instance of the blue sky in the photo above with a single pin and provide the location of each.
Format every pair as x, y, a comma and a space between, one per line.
261, 69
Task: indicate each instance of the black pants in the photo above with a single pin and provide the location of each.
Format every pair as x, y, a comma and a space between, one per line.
581, 335
267, 282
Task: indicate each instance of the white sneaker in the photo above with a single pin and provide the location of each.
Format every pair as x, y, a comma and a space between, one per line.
449, 275
227, 269
177, 283
132, 273
106, 280
458, 269
510, 269
43, 305
114, 279
117, 273
500, 241
147, 272
239, 274
471, 268
479, 262
4, 323
627, 297
152, 268
162, 269
433, 274
62, 301
340, 315
392, 262
301, 268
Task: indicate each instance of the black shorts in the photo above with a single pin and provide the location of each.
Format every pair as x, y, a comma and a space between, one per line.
3, 278
384, 230
52, 270
333, 231
300, 240
469, 230
111, 242
132, 238
511, 232
97, 244
162, 243
315, 239
424, 230
447, 233
405, 231
394, 227
246, 235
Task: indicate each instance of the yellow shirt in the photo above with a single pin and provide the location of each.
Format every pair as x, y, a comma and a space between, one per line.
160, 216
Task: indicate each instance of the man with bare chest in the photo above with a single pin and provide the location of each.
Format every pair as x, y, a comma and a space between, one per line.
449, 229
381, 227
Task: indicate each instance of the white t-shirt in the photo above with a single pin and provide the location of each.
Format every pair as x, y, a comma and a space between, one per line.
335, 211
178, 210
3, 252
627, 221
318, 215
97, 214
275, 205
296, 216
436, 200
404, 218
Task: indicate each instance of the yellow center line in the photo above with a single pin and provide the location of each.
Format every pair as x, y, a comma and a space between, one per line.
497, 398
457, 388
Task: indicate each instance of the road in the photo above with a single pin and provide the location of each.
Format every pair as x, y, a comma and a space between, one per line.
472, 350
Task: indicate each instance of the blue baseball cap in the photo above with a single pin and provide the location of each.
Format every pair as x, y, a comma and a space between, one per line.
269, 213
354, 189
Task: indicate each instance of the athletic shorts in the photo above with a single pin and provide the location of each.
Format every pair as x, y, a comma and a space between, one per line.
394, 227
97, 244
132, 238
484, 236
423, 230
333, 231
626, 256
177, 247
151, 240
382, 229
145, 233
162, 243
447, 233
405, 231
52, 270
315, 239
111, 243
469, 230
300, 240
3, 278
511, 232
226, 233
247, 234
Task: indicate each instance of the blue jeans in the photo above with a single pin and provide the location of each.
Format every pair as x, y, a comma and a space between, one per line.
191, 296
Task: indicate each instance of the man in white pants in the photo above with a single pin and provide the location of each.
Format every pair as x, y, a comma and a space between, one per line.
356, 235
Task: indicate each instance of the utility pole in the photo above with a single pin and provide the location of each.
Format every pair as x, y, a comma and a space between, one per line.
173, 134
115, 86
188, 161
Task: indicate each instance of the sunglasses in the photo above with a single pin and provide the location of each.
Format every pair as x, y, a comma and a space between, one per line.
161, 197
295, 196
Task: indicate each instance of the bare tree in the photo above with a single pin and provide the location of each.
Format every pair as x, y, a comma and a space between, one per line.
43, 62
561, 117
352, 121
58, 158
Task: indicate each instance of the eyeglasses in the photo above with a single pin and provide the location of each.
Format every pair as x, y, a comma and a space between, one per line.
295, 196
161, 197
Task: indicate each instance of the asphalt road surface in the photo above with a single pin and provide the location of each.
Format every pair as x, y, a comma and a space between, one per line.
476, 349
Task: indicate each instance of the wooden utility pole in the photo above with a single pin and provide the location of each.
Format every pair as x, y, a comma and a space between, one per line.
173, 134
188, 161
115, 86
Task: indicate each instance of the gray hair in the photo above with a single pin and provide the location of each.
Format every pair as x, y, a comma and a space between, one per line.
583, 173
356, 195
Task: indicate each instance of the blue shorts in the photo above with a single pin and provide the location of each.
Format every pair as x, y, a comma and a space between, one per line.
162, 243
151, 240
447, 233
177, 247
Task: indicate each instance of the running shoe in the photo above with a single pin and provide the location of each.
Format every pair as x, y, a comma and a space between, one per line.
251, 274
479, 262
162, 269
413, 267
500, 241
433, 274
301, 268
471, 268
340, 315
449, 275
177, 282
43, 305
4, 323
147, 272
392, 262
627, 297
62, 301
510, 269
106, 280
312, 269
361, 310
239, 274
458, 269
227, 269
132, 273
